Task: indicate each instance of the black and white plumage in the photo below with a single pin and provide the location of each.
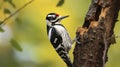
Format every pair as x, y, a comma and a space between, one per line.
59, 37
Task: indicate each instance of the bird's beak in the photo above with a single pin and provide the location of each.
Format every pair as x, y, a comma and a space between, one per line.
62, 17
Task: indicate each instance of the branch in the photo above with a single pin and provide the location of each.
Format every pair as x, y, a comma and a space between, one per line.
2, 23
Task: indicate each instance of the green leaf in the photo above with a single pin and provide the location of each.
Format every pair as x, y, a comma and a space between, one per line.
1, 30
16, 45
11, 3
1, 22
7, 11
60, 3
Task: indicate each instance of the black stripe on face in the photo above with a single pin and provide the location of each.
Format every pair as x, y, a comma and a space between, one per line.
51, 16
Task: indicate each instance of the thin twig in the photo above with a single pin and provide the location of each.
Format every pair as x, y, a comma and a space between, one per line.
113, 36
117, 36
3, 22
106, 47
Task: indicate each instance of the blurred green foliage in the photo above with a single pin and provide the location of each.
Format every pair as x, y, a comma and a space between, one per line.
15, 44
28, 29
1, 30
7, 11
60, 3
10, 2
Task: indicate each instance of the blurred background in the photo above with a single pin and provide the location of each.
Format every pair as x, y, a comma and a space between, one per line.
24, 41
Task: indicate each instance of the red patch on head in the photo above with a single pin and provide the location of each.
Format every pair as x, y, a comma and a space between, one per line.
57, 15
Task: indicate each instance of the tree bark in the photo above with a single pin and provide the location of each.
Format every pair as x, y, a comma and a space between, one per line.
97, 34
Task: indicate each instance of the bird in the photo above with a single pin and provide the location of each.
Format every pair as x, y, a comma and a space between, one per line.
59, 37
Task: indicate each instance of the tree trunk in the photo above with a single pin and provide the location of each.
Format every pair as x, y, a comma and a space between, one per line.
96, 35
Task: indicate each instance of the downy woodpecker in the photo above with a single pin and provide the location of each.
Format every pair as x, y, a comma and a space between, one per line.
59, 36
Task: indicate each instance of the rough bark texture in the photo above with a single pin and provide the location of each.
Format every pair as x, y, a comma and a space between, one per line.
96, 34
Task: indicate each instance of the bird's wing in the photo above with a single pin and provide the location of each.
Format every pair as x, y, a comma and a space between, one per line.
66, 40
54, 37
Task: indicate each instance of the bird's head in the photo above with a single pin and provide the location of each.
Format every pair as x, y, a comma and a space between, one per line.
54, 18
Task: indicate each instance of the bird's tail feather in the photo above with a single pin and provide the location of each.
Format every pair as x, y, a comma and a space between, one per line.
66, 59
69, 63
64, 55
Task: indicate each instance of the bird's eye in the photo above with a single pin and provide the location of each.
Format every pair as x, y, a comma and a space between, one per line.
52, 17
